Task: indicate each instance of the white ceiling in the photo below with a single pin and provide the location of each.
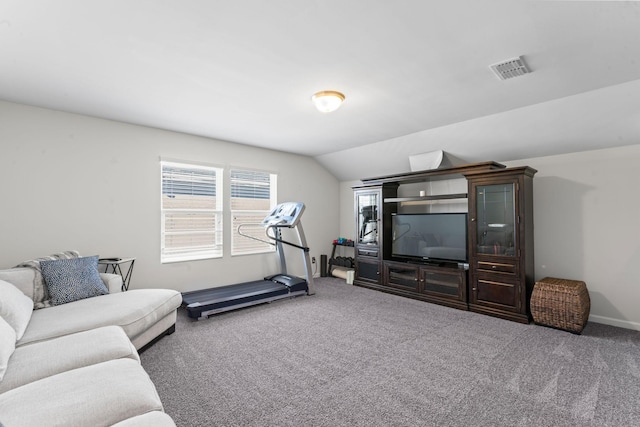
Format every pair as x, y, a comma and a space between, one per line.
415, 73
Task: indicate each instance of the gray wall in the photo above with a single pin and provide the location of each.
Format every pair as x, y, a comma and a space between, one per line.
75, 182
587, 226
586, 211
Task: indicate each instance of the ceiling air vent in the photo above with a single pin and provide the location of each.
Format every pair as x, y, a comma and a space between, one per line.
510, 68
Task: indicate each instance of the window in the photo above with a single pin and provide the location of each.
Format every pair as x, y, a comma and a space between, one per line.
253, 195
191, 206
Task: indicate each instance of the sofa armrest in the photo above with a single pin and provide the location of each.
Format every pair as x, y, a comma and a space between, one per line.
112, 281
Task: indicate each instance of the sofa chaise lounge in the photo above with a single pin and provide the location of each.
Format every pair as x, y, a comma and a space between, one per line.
76, 363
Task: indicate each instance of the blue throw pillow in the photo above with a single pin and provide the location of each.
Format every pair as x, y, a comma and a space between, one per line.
73, 279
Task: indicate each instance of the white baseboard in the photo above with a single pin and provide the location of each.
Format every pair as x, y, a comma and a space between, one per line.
615, 322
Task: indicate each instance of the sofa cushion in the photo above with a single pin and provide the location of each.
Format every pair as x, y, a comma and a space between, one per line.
150, 419
22, 278
15, 307
97, 395
73, 279
40, 294
113, 282
135, 311
33, 362
7, 345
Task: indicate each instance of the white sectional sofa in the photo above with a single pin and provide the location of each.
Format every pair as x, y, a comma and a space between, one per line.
76, 363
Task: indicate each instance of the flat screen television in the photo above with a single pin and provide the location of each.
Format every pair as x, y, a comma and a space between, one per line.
430, 237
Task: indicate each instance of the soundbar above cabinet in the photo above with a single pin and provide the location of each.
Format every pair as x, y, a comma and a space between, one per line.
494, 273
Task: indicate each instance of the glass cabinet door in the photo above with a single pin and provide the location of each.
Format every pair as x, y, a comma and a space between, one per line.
367, 208
495, 206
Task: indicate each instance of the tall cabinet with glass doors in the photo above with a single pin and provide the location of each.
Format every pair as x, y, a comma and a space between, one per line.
501, 242
371, 230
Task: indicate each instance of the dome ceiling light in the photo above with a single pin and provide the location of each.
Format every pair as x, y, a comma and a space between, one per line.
327, 100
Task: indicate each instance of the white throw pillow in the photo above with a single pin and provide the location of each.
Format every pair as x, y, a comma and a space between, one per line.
7, 345
15, 307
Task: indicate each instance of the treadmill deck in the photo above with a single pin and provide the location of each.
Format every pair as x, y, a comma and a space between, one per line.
202, 303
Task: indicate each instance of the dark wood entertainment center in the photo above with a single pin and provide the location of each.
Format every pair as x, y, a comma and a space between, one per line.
497, 279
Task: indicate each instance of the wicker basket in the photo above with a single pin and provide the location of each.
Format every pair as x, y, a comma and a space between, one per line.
561, 303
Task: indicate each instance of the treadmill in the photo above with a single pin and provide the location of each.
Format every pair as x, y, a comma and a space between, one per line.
203, 303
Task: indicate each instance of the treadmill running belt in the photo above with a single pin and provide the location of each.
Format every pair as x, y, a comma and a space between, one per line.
232, 295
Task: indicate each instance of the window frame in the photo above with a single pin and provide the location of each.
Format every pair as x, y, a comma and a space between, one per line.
258, 231
217, 214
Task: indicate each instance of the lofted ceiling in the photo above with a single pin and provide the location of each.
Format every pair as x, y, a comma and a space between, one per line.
415, 73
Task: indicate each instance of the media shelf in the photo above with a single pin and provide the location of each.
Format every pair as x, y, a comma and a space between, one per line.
498, 278
434, 174
426, 199
442, 283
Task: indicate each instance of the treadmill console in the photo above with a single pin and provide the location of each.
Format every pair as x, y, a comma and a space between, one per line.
286, 214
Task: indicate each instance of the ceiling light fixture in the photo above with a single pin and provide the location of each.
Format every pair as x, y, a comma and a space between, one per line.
327, 100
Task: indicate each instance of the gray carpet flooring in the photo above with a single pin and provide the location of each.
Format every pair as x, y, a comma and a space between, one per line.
350, 356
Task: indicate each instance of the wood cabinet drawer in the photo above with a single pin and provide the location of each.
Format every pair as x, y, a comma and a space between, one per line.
373, 252
496, 290
499, 267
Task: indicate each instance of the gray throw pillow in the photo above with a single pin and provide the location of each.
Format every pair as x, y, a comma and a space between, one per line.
74, 279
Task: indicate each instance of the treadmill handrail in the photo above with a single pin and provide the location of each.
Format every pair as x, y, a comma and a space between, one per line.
286, 215
275, 239
252, 237
304, 248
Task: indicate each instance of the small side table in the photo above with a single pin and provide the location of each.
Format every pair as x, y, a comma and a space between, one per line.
115, 265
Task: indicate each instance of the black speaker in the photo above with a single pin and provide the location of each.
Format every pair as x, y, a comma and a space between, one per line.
323, 266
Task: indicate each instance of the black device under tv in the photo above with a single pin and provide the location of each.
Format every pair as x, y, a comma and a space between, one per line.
429, 237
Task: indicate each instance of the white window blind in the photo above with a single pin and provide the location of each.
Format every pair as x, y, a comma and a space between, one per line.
191, 206
253, 195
